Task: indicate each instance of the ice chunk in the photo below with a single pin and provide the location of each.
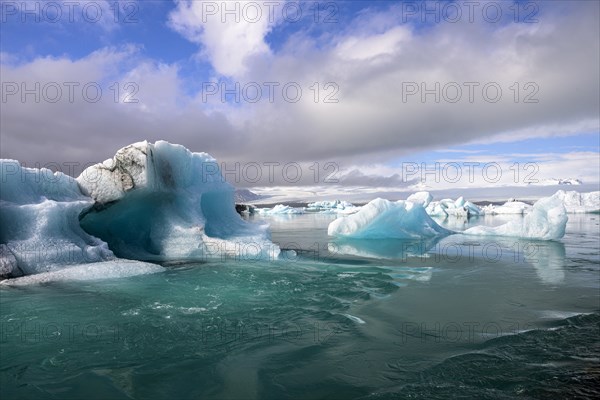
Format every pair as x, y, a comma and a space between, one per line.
452, 208
88, 272
332, 207
510, 207
546, 221
40, 228
576, 202
280, 209
162, 202
381, 219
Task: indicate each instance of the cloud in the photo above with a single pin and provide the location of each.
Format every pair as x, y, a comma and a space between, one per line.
228, 40
367, 66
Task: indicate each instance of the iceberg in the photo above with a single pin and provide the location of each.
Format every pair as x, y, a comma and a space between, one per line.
150, 202
546, 221
162, 202
280, 209
332, 207
452, 208
574, 202
40, 229
384, 219
577, 203
510, 207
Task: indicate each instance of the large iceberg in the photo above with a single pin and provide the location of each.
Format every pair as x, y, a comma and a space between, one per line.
162, 202
150, 202
384, 219
546, 221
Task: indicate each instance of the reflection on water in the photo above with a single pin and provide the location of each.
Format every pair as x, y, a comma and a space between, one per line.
549, 261
399, 249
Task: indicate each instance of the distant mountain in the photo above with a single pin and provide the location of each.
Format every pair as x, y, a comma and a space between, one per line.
245, 196
554, 181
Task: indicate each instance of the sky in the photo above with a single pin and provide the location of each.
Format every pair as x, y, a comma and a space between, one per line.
310, 97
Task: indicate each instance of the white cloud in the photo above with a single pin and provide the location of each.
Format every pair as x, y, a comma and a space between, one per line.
369, 62
229, 41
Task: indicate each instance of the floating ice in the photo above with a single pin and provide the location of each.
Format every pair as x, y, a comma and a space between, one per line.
454, 208
150, 202
382, 219
40, 229
280, 209
162, 202
89, 272
333, 207
510, 207
546, 221
576, 202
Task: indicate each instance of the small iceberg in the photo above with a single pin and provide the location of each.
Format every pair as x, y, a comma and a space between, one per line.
546, 221
578, 203
510, 207
332, 207
384, 219
280, 209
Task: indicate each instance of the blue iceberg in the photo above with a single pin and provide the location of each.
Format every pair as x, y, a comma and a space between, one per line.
384, 219
150, 202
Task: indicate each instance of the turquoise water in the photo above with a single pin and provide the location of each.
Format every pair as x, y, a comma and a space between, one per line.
460, 317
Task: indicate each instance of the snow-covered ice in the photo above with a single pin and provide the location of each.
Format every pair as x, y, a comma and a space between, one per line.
380, 219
